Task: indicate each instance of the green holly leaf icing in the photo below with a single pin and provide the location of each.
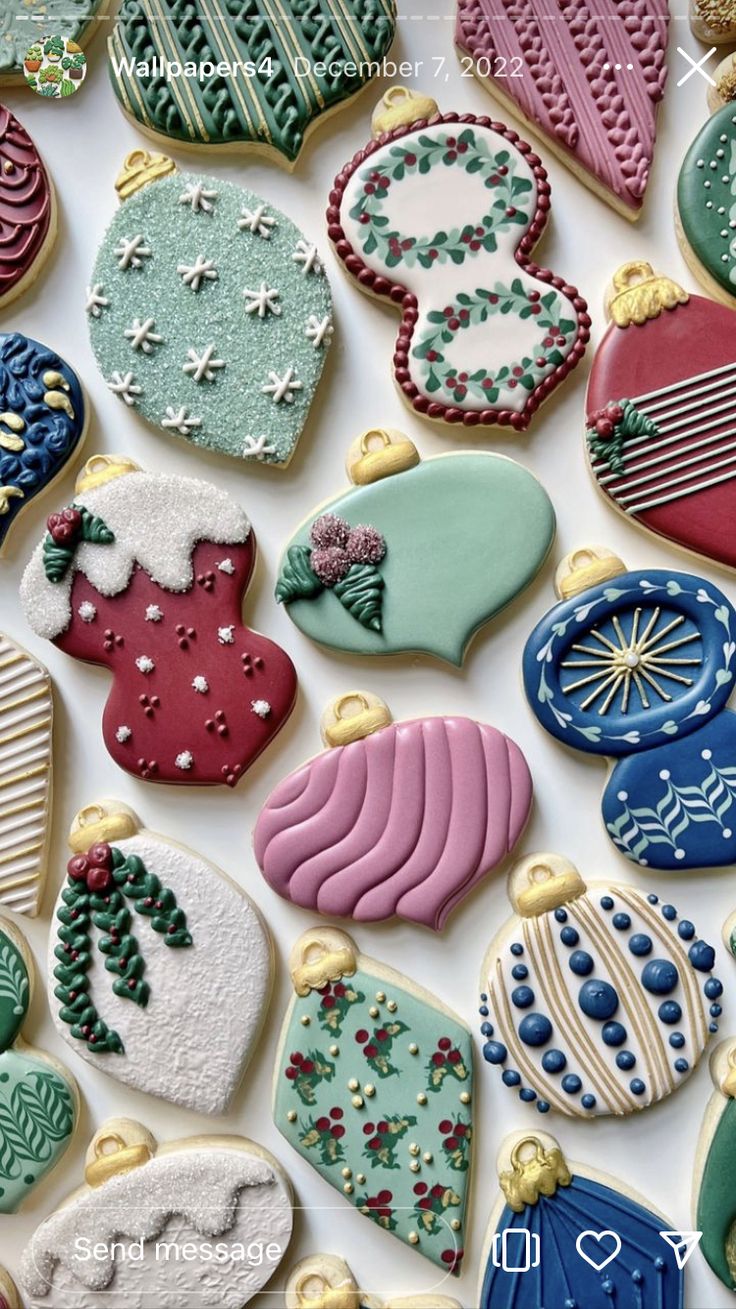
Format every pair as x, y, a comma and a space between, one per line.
360, 592
626, 422
296, 579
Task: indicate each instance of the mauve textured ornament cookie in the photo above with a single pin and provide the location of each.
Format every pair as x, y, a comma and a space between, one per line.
660, 414
323, 1281
27, 209
167, 1221
145, 573
289, 66
26, 762
595, 999
382, 568
159, 965
392, 819
440, 214
587, 79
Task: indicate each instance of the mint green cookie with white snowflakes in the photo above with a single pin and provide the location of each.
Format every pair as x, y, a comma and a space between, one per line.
209, 312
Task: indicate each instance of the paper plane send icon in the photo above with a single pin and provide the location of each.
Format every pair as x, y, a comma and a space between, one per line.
682, 1244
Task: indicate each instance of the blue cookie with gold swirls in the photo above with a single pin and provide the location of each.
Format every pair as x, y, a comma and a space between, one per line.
43, 417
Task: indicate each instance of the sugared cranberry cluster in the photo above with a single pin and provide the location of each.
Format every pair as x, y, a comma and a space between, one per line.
604, 421
93, 868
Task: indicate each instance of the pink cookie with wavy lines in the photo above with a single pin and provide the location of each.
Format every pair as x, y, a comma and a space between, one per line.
587, 77
396, 819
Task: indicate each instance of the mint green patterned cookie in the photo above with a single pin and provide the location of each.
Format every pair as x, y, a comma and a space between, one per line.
374, 1088
209, 312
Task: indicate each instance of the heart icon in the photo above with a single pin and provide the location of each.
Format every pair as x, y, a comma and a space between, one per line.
598, 1262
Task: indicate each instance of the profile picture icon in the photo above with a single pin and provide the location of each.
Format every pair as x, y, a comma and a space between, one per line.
54, 67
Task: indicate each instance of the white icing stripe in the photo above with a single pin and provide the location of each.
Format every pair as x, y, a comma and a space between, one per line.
25, 777
728, 376
632, 443
703, 459
659, 460
677, 413
682, 384
679, 494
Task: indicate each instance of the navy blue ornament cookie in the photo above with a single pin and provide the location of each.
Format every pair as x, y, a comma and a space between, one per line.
595, 999
43, 416
639, 666
571, 1226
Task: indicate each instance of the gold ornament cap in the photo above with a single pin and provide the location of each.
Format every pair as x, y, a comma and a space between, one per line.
119, 1146
139, 168
105, 820
321, 955
322, 1281
542, 882
530, 1166
639, 294
9, 1291
100, 469
723, 1068
400, 107
586, 567
352, 717
380, 452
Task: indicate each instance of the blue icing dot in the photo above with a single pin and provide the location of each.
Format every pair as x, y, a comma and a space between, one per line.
486, 1029
677, 1040
606, 902
484, 997
713, 988
614, 1034
510, 1077
598, 999
715, 1011
669, 912
494, 1052
640, 944
713, 1028
561, 915
522, 997
681, 1065
543, 1106
569, 936
519, 972
517, 948
581, 963
535, 1029
571, 1083
625, 1060
588, 1101
660, 976
702, 956
553, 1061
483, 1011
636, 1086
622, 922
686, 930
526, 1093
670, 1012
653, 899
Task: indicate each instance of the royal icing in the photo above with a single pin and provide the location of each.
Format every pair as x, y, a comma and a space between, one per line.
198, 322
596, 999
26, 205
713, 20
373, 1088
714, 1209
660, 423
42, 422
132, 540
396, 818
442, 218
706, 203
23, 21
639, 666
38, 1099
204, 1219
590, 83
576, 1223
382, 568
322, 1281
283, 75
26, 722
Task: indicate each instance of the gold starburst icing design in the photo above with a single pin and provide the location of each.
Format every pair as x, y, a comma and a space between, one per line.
638, 665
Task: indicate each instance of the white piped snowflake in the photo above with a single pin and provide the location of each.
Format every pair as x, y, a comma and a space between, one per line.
180, 420
260, 707
199, 197
145, 664
200, 684
184, 760
257, 447
257, 221
154, 613
282, 388
262, 302
319, 330
96, 301
123, 734
125, 385
308, 256
226, 635
87, 611
194, 274
204, 365
142, 336
131, 252
226, 566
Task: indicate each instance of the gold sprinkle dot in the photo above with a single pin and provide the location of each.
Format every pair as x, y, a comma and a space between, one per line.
414, 1166
414, 1148
392, 1006
353, 1084
421, 1098
291, 1116
369, 1090
347, 1172
465, 1097
381, 996
413, 1238
348, 1188
413, 1048
358, 1102
306, 1020
427, 1157
8, 166
373, 1011
334, 1050
455, 1224
360, 1179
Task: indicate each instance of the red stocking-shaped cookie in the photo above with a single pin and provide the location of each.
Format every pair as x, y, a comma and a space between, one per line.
144, 573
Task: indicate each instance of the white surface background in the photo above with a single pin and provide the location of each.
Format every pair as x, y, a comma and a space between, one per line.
84, 141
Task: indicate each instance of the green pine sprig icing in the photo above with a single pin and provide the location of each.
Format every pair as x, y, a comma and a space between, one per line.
82, 910
58, 555
343, 560
610, 428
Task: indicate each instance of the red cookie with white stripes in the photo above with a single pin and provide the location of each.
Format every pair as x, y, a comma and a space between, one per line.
661, 413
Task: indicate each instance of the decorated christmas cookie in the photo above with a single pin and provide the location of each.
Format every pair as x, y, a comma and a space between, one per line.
144, 573
27, 207
713, 20
660, 422
158, 963
383, 568
23, 22
394, 818
640, 666
440, 213
572, 1222
9, 1298
43, 418
706, 205
286, 69
592, 94
714, 1203
38, 1099
373, 1087
594, 999
26, 724
205, 1220
723, 90
322, 1281
209, 311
